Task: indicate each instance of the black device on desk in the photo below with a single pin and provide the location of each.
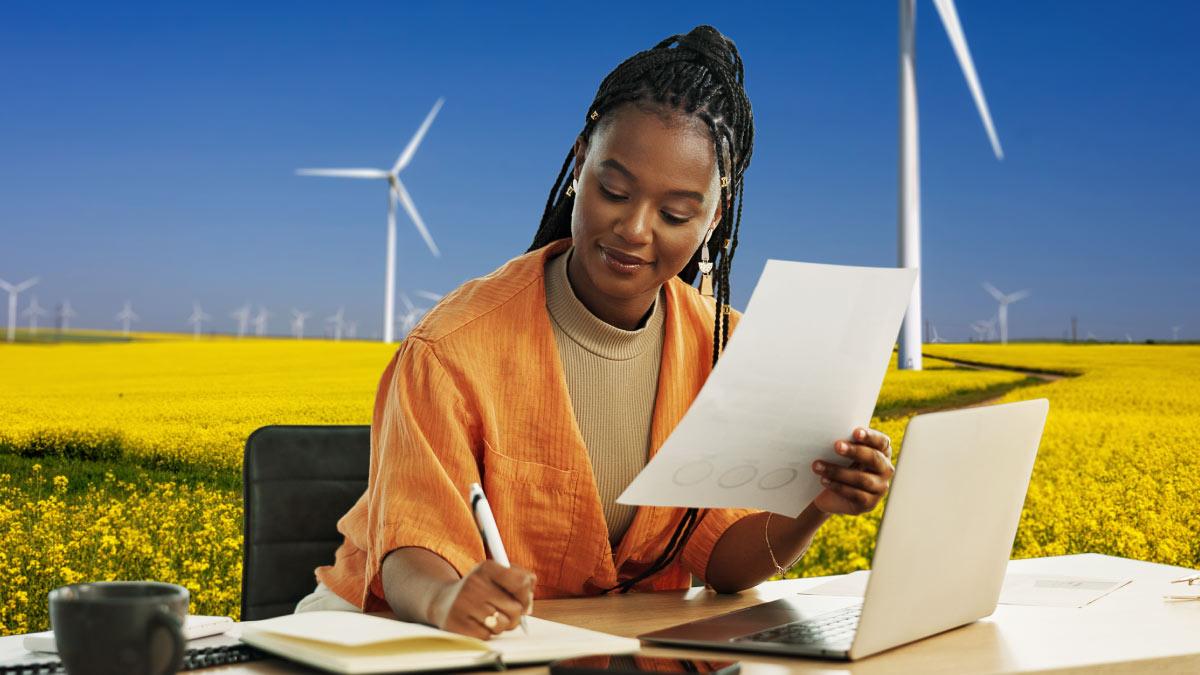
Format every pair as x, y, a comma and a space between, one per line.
631, 664
193, 659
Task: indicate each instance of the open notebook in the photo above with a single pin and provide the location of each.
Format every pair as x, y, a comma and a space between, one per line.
351, 643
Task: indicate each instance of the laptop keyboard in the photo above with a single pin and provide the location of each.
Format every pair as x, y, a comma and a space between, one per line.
836, 627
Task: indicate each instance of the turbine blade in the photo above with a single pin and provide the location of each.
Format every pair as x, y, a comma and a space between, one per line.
1020, 295
411, 149
21, 287
344, 173
435, 297
958, 40
416, 217
407, 302
993, 291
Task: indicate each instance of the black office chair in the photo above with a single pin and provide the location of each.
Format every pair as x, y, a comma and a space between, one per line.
297, 481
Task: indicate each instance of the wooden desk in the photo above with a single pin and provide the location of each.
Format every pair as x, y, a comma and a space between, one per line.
1131, 630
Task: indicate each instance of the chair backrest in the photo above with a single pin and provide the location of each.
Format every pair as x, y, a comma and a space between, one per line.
297, 481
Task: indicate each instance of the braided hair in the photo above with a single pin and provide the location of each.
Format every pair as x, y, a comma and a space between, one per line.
698, 74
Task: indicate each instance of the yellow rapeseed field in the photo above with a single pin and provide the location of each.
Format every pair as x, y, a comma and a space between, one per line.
187, 406
190, 535
179, 400
1118, 470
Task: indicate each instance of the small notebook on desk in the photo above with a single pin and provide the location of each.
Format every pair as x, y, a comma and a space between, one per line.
352, 643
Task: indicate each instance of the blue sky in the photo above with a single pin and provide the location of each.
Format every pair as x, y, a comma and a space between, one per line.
147, 150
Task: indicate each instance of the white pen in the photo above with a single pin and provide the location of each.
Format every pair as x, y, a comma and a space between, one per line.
491, 534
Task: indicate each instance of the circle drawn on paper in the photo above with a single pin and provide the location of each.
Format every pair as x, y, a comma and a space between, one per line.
737, 476
777, 478
692, 472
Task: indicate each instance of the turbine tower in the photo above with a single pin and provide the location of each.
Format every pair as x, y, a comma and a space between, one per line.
197, 318
1005, 301
909, 169
260, 321
125, 316
242, 314
339, 322
65, 312
298, 319
33, 311
13, 291
396, 192
1175, 333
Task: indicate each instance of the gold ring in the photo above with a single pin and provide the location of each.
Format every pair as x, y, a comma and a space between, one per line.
492, 621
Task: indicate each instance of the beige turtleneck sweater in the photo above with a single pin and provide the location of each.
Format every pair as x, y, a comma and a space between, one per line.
612, 378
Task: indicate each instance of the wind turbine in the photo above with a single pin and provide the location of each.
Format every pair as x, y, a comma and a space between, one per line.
260, 321
980, 330
65, 312
196, 319
125, 316
986, 328
33, 311
351, 330
13, 291
1005, 301
396, 191
936, 338
412, 313
339, 322
298, 319
242, 314
1175, 333
909, 169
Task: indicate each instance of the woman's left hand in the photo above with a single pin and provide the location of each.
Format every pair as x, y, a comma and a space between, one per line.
856, 488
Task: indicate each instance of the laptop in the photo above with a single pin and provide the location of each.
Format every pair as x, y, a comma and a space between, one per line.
940, 556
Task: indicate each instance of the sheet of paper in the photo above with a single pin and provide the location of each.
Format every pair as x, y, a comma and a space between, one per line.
1039, 590
1048, 590
802, 369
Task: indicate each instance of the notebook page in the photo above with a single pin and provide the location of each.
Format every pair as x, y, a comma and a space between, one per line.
548, 641
350, 629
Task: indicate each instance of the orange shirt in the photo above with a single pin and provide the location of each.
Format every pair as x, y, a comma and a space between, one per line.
476, 393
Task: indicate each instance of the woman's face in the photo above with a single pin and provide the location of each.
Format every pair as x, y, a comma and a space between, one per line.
646, 197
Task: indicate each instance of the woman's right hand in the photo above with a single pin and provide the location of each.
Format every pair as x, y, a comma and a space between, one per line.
491, 589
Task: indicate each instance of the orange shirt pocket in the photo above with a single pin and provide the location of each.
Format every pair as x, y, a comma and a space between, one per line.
534, 505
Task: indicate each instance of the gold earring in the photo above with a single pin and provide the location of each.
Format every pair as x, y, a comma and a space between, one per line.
706, 267
571, 189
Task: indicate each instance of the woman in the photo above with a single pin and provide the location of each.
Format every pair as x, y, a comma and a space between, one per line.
553, 379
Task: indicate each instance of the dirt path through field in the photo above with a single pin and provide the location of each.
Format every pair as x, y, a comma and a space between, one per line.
1032, 377
1044, 375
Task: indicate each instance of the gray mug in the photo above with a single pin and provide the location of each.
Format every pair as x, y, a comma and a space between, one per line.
119, 627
